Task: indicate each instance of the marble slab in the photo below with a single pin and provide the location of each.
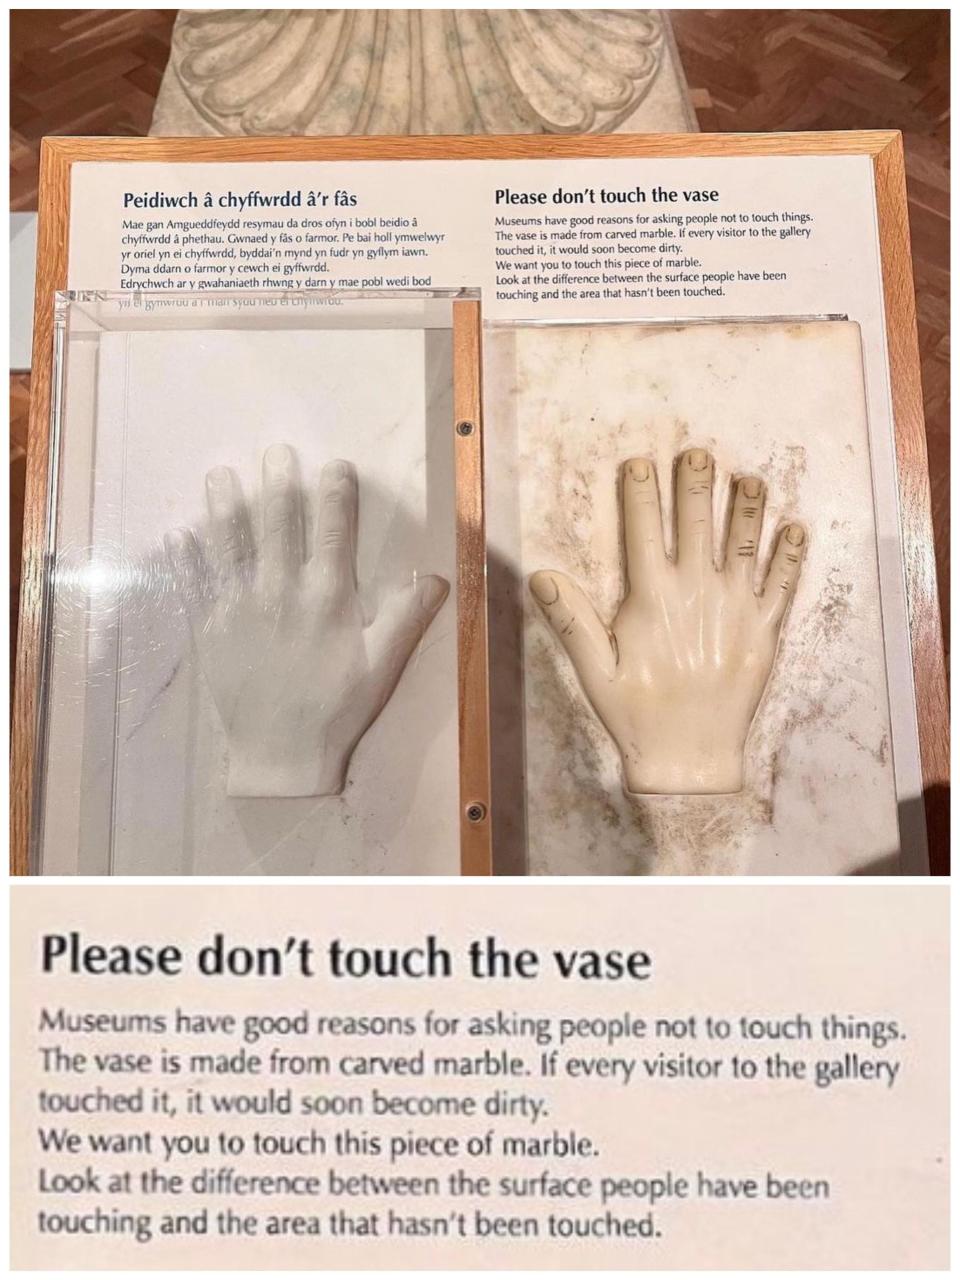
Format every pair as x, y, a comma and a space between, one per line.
785, 401
136, 778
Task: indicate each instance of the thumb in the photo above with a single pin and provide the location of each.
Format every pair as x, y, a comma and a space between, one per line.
399, 627
575, 622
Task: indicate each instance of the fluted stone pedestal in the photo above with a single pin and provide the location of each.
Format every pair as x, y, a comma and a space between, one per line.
421, 71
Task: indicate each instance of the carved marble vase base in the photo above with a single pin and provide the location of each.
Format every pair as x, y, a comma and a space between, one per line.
377, 71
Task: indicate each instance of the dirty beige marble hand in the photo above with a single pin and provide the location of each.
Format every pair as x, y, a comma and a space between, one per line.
296, 673
678, 676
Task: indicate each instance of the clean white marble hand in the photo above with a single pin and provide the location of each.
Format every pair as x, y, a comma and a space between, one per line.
297, 675
678, 677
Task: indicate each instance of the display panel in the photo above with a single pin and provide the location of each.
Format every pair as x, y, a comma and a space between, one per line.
681, 520
251, 642
854, 263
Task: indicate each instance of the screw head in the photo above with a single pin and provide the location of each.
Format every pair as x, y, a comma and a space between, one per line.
476, 812
464, 428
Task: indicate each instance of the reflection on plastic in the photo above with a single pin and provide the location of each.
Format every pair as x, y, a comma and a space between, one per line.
296, 671
679, 676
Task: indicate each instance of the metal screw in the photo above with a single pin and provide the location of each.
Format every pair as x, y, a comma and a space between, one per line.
464, 428
476, 812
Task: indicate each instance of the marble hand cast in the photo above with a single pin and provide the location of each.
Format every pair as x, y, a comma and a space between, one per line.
296, 673
678, 676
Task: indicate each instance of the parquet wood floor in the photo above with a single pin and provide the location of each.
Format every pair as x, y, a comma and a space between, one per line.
80, 71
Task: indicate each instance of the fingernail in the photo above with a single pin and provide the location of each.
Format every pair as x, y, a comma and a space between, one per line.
431, 593
794, 535
751, 487
698, 460
544, 589
336, 470
218, 478
640, 469
279, 458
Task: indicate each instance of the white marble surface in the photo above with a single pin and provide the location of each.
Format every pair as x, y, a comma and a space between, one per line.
421, 71
151, 795
786, 402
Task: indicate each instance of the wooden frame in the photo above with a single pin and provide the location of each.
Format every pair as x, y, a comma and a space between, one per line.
884, 147
476, 847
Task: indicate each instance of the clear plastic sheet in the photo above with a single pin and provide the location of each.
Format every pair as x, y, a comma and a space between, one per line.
250, 638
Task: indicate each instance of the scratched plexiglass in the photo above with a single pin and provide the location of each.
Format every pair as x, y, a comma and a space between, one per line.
249, 629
